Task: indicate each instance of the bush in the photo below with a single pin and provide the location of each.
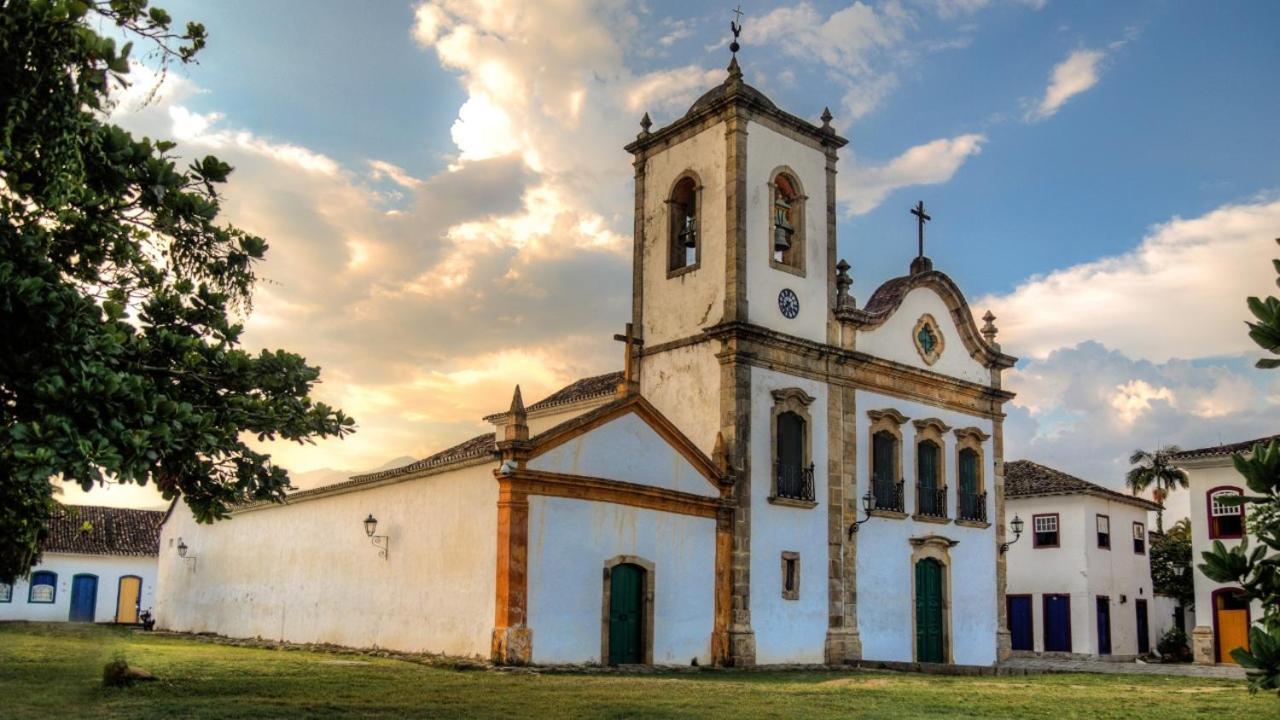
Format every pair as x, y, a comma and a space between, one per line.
1174, 646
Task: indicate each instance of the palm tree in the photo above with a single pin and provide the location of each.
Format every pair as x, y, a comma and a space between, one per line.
1155, 469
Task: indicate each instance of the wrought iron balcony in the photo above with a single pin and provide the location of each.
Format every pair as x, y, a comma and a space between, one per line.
931, 501
886, 495
973, 506
793, 482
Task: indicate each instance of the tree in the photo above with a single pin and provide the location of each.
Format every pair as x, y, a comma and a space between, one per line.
1171, 564
1155, 469
120, 353
1257, 570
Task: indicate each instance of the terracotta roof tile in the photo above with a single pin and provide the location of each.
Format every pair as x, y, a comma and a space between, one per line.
97, 530
1023, 478
581, 390
478, 446
1222, 450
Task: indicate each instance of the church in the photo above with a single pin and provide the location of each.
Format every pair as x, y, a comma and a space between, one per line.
778, 475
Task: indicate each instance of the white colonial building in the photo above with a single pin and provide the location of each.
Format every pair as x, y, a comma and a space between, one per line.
1222, 616
707, 503
98, 564
1080, 576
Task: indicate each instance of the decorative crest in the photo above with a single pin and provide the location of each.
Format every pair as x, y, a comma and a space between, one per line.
989, 329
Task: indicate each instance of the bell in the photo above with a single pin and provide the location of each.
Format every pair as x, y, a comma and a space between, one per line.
781, 237
688, 235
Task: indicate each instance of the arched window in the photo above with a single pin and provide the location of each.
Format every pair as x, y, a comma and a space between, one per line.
685, 231
931, 496
792, 467
44, 587
786, 238
1226, 520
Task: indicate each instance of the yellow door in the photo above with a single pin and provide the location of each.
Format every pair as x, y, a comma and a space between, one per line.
127, 602
1233, 632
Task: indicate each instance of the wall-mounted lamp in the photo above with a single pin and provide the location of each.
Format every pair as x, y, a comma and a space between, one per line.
866, 508
1016, 526
1124, 599
382, 542
182, 553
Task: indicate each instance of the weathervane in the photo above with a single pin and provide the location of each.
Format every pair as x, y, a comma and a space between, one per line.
736, 26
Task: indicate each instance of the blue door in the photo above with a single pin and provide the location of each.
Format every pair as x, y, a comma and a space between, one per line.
84, 597
1020, 622
1057, 623
1104, 625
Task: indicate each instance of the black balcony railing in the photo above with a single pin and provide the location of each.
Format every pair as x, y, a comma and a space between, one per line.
886, 495
931, 501
973, 506
793, 482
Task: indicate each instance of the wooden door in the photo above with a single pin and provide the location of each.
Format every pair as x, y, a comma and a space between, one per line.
1021, 622
127, 599
930, 631
1144, 630
1057, 623
1104, 625
84, 597
626, 614
1231, 617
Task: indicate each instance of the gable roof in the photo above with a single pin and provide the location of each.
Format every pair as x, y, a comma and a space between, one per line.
98, 530
1023, 478
1221, 450
584, 389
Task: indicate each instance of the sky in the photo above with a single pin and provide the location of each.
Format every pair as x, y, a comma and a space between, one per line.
448, 204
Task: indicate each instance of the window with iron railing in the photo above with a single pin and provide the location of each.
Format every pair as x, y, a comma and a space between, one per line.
793, 481
973, 507
886, 488
931, 495
793, 478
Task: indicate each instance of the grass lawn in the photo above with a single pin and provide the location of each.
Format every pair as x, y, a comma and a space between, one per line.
54, 670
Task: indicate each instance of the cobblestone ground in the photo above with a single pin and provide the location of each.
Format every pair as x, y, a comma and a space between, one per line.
1099, 666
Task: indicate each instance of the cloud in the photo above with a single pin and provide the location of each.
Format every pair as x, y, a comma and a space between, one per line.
928, 164
1069, 78
1179, 294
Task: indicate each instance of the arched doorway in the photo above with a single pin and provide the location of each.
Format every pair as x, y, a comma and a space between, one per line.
127, 599
627, 618
1230, 623
930, 622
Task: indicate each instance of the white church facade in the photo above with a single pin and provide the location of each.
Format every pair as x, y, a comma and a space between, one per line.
778, 476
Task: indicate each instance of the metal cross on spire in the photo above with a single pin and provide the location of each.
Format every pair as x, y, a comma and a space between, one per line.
921, 219
736, 26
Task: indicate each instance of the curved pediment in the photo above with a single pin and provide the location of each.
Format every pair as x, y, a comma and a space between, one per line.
889, 297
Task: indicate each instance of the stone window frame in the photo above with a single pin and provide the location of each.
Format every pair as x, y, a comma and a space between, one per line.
891, 421
971, 438
794, 592
932, 357
932, 429
938, 548
672, 236
794, 400
649, 583
799, 239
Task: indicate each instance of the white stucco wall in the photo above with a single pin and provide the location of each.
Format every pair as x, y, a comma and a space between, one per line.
569, 543
787, 631
684, 384
680, 306
768, 150
1082, 570
629, 450
893, 340
885, 570
108, 568
306, 572
1202, 478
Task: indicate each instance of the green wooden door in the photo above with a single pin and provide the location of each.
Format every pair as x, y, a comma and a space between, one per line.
626, 614
929, 627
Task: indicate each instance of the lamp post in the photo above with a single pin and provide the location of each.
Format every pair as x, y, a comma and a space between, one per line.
866, 508
1016, 526
370, 527
182, 553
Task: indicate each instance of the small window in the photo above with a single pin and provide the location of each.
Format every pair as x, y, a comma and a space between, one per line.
790, 575
6, 593
685, 241
1139, 539
1226, 520
44, 587
1045, 530
1104, 532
